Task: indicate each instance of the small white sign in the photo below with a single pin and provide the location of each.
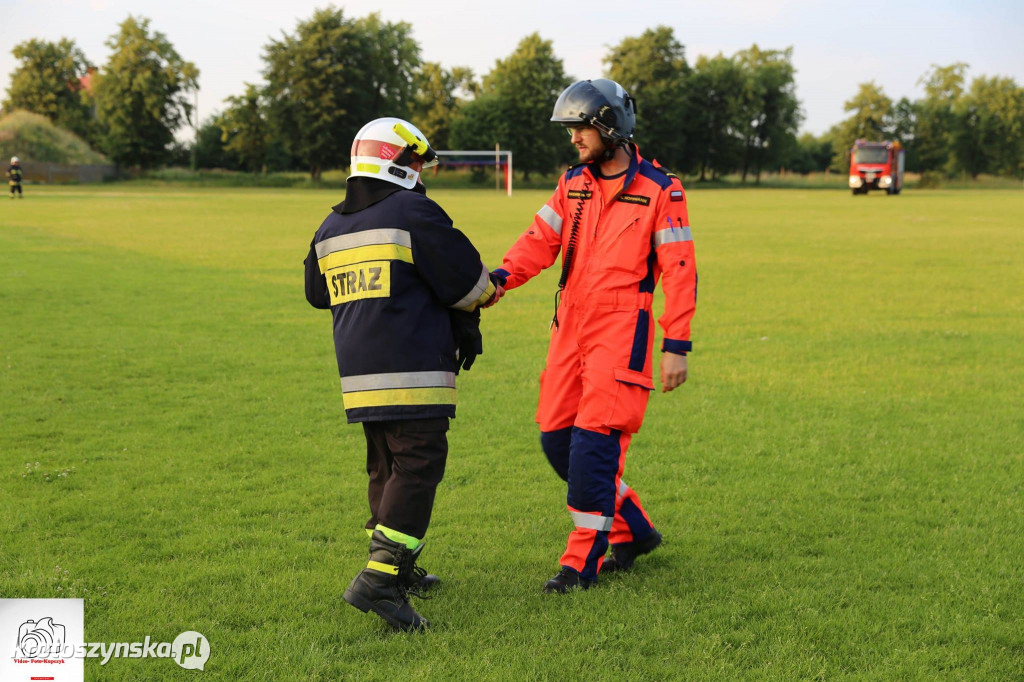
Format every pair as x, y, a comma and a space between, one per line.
39, 639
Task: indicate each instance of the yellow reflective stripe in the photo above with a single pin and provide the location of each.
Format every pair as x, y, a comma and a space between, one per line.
341, 242
367, 168
479, 294
399, 396
361, 254
488, 292
398, 536
383, 568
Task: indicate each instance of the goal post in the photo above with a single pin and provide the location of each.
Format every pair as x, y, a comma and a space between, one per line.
501, 159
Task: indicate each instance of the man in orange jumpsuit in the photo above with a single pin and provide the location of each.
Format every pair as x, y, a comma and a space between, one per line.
621, 224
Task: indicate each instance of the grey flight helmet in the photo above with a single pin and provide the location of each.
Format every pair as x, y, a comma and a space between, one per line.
601, 103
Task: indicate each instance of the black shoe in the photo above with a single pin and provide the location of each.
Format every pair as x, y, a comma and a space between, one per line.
567, 579
380, 586
625, 553
417, 581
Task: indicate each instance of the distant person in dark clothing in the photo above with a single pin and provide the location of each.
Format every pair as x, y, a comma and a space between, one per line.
14, 176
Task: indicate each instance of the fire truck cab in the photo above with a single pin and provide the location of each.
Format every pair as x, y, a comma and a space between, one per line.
876, 165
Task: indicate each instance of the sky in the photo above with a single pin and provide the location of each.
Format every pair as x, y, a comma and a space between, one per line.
836, 45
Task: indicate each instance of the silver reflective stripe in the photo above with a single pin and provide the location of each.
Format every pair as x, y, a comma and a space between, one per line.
476, 292
376, 382
549, 216
591, 521
623, 488
672, 234
365, 238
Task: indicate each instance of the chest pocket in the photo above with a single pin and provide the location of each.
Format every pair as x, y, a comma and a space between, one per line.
358, 281
623, 244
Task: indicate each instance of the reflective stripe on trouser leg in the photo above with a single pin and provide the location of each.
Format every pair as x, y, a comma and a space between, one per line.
593, 469
631, 521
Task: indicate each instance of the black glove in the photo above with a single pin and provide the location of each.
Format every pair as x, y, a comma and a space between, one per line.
466, 329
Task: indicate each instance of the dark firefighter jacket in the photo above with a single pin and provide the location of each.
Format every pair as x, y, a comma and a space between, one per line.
389, 264
14, 175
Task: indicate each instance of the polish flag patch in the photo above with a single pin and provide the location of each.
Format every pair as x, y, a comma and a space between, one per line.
676, 195
388, 151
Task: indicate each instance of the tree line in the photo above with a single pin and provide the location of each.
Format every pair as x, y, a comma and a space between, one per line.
333, 73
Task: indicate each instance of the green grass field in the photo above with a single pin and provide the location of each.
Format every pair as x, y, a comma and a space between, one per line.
839, 484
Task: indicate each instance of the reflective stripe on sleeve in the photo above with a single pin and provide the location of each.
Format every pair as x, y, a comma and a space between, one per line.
549, 216
479, 294
672, 234
623, 488
591, 521
364, 238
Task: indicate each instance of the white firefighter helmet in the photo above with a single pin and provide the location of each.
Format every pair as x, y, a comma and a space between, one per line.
384, 149
15, 159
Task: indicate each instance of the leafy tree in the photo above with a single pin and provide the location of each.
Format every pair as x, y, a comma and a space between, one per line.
437, 104
514, 107
811, 154
391, 67
871, 119
48, 82
244, 128
209, 146
179, 154
771, 113
142, 94
714, 107
652, 68
479, 124
989, 132
904, 128
331, 77
935, 120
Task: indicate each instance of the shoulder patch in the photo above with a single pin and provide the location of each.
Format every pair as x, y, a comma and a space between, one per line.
676, 195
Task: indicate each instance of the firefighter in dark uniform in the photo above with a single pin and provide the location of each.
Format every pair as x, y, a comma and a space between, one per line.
404, 287
14, 176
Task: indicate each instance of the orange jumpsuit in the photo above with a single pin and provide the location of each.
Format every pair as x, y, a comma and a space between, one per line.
598, 376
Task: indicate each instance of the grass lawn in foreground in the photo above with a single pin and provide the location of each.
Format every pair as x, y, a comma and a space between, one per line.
839, 484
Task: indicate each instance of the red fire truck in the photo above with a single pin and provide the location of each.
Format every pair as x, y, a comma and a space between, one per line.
876, 165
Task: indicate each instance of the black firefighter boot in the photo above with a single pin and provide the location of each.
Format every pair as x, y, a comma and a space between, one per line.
624, 554
415, 579
567, 580
380, 586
